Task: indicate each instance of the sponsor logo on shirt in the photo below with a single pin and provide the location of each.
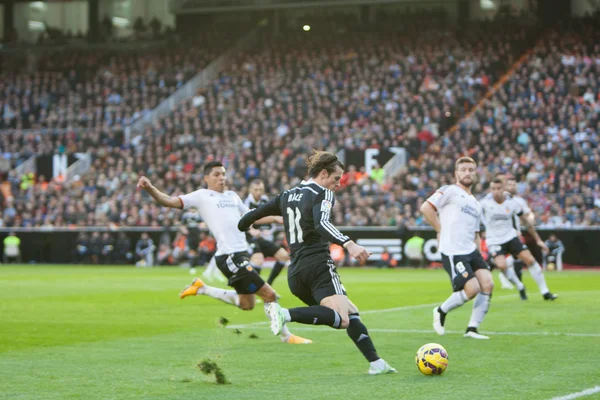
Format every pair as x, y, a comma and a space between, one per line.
472, 211
226, 204
325, 206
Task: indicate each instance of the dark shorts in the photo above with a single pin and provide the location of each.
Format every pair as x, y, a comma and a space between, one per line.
315, 278
264, 246
193, 242
512, 247
461, 268
242, 277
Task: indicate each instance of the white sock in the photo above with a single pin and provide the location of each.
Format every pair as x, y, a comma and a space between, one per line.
538, 276
212, 267
504, 281
510, 262
228, 296
480, 308
455, 300
512, 276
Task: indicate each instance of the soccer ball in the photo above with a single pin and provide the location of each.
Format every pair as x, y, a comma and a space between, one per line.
192, 271
432, 359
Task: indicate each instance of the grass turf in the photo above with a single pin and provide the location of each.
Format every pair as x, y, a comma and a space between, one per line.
120, 333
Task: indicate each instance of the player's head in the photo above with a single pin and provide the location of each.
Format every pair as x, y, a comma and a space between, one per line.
553, 237
497, 189
214, 176
464, 171
510, 184
325, 169
257, 188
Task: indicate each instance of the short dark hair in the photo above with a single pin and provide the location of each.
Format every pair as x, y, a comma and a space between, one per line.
210, 165
256, 181
497, 180
464, 160
322, 160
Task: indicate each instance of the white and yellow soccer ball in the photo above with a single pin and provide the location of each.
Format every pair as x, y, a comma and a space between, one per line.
432, 359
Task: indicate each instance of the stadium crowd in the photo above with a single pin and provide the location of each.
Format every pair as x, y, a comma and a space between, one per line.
267, 110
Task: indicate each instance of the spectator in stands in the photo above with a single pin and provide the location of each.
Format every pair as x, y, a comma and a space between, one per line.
82, 248
95, 247
387, 259
12, 248
207, 248
122, 252
144, 249
556, 249
106, 255
164, 256
414, 251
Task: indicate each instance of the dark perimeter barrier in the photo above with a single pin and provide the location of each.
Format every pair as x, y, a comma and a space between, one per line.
58, 245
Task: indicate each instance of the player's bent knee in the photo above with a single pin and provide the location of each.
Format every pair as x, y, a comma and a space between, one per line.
487, 286
246, 304
345, 323
472, 288
282, 255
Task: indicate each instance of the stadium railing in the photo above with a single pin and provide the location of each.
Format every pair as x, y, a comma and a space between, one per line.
57, 245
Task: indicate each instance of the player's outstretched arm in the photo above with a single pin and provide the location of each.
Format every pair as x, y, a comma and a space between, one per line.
160, 197
266, 214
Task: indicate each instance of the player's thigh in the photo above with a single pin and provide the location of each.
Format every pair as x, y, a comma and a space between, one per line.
257, 259
517, 248
500, 262
282, 255
240, 273
459, 270
526, 257
482, 272
301, 289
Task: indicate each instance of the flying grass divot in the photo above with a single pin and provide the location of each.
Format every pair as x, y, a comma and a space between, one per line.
208, 367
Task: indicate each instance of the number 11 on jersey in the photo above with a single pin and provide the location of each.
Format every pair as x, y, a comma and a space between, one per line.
294, 225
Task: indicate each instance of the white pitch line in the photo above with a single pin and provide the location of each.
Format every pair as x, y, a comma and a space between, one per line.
583, 393
385, 310
301, 328
413, 307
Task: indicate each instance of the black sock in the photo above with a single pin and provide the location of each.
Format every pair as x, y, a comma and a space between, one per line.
360, 336
316, 315
442, 316
518, 266
275, 272
472, 329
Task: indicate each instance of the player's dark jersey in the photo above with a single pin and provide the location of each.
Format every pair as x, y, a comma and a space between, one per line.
192, 221
251, 203
306, 211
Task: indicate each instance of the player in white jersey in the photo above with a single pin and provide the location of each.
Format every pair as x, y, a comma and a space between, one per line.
515, 247
221, 210
261, 240
455, 214
499, 212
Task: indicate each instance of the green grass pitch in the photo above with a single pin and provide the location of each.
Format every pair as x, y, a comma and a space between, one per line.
77, 332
